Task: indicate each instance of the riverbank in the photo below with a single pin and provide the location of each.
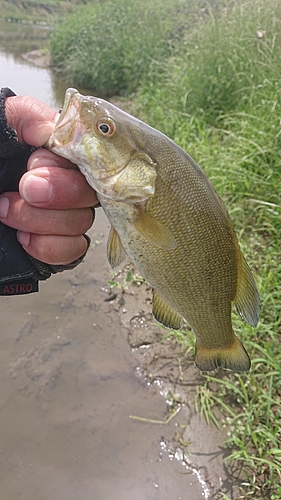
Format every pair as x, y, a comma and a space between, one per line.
163, 361
68, 385
38, 57
218, 96
69, 370
33, 12
164, 367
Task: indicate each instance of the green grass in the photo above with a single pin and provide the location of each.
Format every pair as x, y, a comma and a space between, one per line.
210, 79
109, 46
36, 11
218, 96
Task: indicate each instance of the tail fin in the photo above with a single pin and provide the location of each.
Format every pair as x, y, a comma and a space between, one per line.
233, 357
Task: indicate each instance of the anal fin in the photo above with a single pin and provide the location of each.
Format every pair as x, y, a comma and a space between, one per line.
164, 313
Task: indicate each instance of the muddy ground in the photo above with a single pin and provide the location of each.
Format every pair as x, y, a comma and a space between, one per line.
75, 366
78, 361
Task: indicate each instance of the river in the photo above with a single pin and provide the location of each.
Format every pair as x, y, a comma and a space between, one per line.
69, 381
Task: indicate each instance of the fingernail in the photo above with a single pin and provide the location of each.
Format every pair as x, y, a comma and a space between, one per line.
23, 238
4, 206
37, 189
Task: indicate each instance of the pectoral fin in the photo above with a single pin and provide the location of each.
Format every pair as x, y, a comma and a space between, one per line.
164, 313
154, 231
115, 251
247, 300
233, 357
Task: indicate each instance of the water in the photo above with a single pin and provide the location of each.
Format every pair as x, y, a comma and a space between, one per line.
68, 380
25, 79
18, 74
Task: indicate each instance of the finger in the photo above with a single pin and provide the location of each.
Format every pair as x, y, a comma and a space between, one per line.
59, 188
44, 158
20, 215
33, 120
54, 250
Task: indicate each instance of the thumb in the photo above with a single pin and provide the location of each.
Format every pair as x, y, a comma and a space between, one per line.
31, 119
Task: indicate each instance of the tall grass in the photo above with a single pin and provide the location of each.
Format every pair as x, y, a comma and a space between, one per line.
212, 83
219, 97
36, 11
108, 46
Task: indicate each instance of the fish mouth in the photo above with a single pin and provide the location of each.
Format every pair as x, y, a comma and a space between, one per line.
75, 122
75, 137
73, 109
70, 105
68, 127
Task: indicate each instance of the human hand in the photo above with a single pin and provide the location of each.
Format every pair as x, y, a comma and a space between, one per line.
52, 208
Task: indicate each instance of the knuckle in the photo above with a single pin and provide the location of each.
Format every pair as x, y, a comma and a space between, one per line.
57, 250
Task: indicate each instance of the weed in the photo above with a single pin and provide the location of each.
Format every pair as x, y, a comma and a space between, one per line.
124, 278
103, 47
36, 11
218, 97
213, 85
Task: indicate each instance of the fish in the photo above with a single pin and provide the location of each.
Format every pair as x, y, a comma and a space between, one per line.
167, 218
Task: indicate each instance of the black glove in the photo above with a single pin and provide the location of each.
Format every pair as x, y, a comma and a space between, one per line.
19, 272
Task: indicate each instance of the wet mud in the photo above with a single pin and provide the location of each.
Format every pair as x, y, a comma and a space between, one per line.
162, 361
69, 384
78, 362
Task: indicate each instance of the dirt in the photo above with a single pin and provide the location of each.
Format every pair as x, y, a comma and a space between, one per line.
161, 360
68, 387
86, 381
38, 57
75, 368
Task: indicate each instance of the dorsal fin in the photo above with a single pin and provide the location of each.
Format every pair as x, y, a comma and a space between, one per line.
246, 300
164, 313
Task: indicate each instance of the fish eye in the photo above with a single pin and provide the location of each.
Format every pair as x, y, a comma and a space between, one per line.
106, 126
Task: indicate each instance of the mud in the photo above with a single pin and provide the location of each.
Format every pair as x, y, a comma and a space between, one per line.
69, 384
77, 364
162, 361
38, 57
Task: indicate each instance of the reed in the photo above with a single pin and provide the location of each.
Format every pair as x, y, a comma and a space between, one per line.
211, 83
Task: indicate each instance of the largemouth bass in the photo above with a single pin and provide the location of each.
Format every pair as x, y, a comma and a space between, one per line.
168, 219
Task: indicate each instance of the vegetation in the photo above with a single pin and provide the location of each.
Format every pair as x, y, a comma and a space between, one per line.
209, 77
215, 89
108, 46
36, 11
218, 96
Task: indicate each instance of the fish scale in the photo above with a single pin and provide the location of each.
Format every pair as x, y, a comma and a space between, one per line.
168, 219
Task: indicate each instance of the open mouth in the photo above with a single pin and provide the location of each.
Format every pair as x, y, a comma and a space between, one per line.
68, 127
69, 102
